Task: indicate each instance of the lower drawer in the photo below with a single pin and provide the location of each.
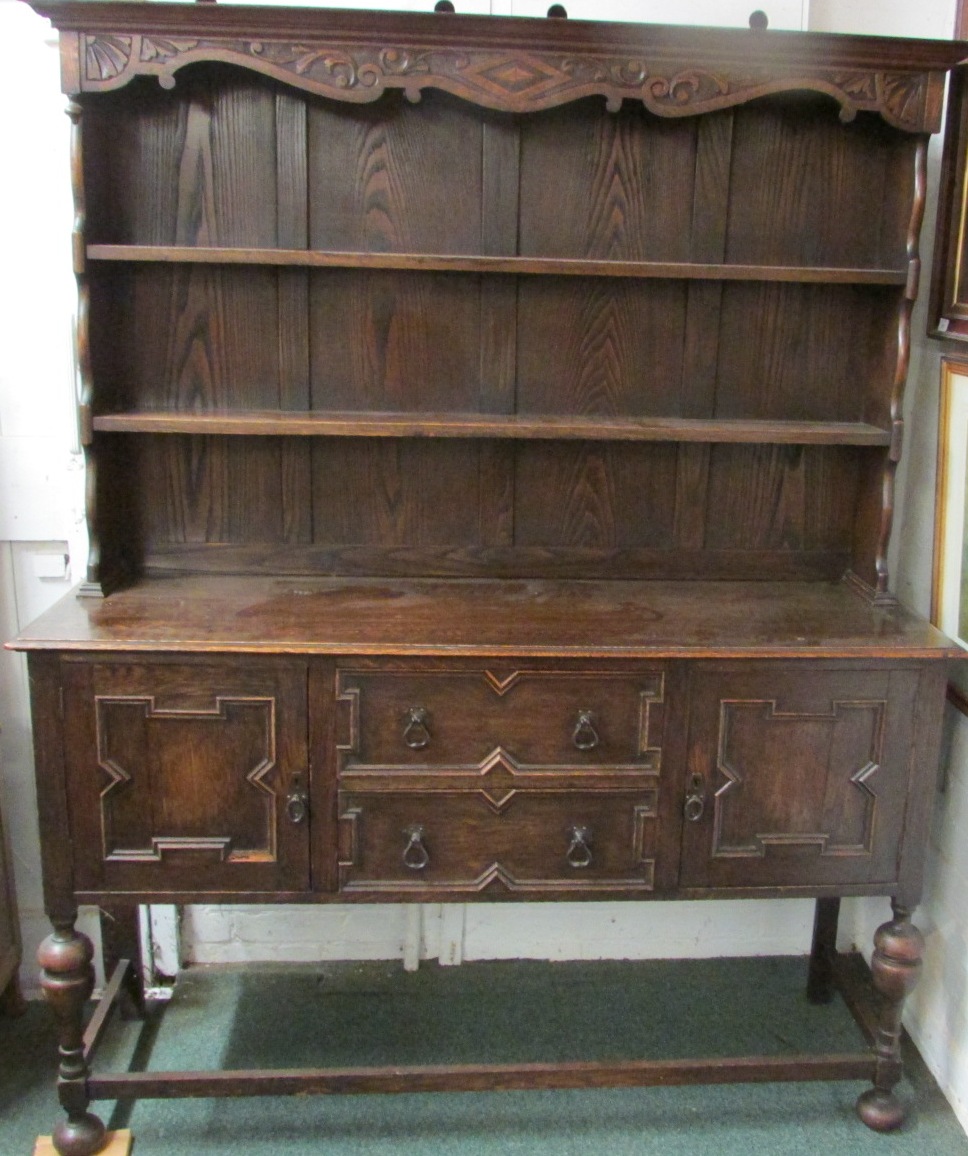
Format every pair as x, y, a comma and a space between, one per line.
423, 844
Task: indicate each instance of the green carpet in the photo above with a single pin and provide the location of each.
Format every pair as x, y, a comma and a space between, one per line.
350, 1014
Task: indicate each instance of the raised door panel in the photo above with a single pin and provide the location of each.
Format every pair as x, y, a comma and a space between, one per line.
797, 775
179, 776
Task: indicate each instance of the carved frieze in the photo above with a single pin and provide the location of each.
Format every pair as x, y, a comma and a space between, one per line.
510, 80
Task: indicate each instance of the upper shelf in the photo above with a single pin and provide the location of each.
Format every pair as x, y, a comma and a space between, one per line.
511, 64
460, 263
476, 425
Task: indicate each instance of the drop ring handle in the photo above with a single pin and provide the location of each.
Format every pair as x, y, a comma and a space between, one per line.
416, 732
695, 799
579, 853
584, 736
297, 801
415, 854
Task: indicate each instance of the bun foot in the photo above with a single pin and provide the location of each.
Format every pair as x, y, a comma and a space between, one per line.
880, 1111
81, 1135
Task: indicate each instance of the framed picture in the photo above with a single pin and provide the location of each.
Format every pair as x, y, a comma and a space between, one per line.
949, 593
948, 298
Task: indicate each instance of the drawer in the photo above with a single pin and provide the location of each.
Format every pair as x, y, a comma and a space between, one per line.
422, 844
533, 718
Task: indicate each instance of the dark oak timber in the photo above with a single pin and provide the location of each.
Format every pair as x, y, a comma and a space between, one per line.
444, 263
491, 429
548, 428
467, 1078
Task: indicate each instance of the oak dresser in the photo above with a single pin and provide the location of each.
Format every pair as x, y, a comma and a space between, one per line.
491, 428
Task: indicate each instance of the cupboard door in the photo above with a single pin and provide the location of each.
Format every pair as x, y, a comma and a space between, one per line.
797, 775
187, 777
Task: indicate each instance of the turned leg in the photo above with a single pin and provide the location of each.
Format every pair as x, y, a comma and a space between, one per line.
895, 966
120, 939
823, 951
67, 978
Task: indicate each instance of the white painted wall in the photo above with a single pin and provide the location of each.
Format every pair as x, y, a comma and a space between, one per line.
40, 512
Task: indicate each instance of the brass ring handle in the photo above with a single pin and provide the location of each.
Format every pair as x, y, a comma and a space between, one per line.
584, 736
579, 853
297, 801
416, 733
695, 799
415, 854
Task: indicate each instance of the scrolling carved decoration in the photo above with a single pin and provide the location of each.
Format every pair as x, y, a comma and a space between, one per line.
508, 80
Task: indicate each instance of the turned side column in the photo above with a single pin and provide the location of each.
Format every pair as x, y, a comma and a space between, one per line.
67, 978
895, 967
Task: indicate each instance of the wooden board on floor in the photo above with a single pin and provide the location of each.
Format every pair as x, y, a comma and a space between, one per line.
118, 1144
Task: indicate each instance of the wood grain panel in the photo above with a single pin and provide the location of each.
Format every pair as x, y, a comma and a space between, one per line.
607, 185
806, 191
499, 236
780, 497
396, 494
596, 346
132, 148
835, 812
191, 167
395, 341
196, 338
531, 562
594, 496
395, 177
800, 352
708, 244
181, 769
209, 490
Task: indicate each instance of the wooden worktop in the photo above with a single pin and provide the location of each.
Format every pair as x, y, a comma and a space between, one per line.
486, 617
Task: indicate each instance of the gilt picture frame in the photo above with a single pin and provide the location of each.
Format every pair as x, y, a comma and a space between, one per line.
949, 591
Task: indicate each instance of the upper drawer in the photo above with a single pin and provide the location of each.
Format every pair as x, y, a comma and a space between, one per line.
461, 716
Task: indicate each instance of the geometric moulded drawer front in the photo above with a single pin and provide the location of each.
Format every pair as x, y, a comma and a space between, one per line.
797, 775
179, 775
421, 716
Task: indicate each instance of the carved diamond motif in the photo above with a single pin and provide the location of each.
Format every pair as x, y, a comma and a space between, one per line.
516, 75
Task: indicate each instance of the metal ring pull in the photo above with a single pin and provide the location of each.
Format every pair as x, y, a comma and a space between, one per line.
579, 852
584, 736
415, 854
416, 734
695, 799
297, 801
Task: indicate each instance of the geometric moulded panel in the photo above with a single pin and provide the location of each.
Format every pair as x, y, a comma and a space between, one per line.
187, 781
790, 779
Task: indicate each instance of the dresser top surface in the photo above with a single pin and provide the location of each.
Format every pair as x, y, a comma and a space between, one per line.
615, 619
